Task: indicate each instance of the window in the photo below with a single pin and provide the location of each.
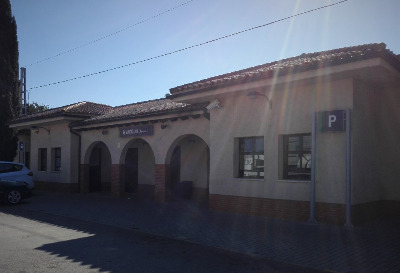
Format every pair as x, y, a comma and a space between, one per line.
42, 166
297, 157
251, 157
56, 159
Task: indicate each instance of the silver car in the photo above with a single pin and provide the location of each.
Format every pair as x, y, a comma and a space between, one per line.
13, 171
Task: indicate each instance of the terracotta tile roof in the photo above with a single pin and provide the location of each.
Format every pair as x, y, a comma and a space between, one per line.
81, 109
304, 62
143, 109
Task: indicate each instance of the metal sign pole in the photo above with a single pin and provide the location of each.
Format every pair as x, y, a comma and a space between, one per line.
313, 164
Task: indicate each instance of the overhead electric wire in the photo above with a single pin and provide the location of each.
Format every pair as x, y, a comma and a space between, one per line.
189, 47
109, 35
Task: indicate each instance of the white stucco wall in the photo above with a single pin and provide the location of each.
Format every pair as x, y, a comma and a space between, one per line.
194, 162
375, 162
291, 113
389, 146
59, 137
367, 154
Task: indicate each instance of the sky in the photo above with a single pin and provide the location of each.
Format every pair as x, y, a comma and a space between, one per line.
140, 32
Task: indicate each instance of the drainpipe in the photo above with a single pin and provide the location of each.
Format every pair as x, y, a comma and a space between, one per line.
313, 164
348, 169
79, 154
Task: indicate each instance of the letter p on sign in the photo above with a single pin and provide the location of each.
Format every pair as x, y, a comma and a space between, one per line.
332, 118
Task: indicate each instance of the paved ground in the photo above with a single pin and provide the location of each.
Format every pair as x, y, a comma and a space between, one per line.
373, 247
38, 242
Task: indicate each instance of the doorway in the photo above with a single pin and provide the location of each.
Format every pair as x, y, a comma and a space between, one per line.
189, 164
99, 171
131, 170
95, 170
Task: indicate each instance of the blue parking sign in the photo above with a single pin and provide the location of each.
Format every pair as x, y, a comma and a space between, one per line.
332, 121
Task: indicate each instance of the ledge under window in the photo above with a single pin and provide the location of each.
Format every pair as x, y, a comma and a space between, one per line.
293, 181
250, 178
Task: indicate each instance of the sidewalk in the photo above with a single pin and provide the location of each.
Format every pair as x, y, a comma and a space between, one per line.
373, 247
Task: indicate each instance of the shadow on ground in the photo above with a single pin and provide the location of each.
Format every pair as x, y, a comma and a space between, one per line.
372, 247
112, 249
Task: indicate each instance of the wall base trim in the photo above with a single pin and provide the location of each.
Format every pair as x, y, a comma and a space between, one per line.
273, 208
300, 210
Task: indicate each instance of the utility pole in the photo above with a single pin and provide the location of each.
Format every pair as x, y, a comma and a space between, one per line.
23, 92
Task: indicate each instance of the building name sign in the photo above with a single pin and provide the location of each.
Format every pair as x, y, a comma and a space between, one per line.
140, 130
332, 121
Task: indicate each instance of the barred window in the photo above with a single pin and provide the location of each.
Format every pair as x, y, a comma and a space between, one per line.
56, 159
297, 157
251, 157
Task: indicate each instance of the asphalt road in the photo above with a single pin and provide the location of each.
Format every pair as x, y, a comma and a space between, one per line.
40, 242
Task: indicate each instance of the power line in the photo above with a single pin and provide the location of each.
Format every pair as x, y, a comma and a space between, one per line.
109, 35
189, 47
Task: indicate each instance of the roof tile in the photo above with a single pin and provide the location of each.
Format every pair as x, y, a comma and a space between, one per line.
84, 109
297, 64
140, 109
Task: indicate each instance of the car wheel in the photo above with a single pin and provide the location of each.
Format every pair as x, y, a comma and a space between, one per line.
14, 197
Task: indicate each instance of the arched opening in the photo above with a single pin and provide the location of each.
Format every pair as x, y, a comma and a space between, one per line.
138, 168
189, 167
99, 168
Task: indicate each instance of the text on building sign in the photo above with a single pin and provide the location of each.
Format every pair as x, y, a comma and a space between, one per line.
140, 130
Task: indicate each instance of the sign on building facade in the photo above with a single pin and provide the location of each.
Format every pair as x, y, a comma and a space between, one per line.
140, 130
332, 121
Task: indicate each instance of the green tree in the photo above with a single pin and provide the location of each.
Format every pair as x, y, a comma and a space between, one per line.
34, 107
9, 95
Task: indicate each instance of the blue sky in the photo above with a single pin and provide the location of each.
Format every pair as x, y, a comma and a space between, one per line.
48, 27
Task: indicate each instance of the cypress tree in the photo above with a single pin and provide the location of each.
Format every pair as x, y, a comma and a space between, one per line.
9, 93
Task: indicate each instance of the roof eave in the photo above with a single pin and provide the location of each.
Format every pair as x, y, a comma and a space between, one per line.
27, 123
281, 77
120, 121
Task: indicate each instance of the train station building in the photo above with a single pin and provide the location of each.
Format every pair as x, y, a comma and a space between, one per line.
309, 137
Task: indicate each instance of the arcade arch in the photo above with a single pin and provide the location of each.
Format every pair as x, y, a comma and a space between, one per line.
137, 168
98, 172
188, 159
